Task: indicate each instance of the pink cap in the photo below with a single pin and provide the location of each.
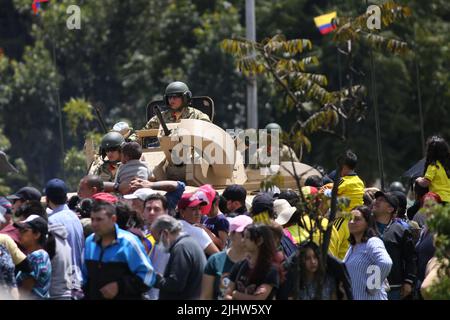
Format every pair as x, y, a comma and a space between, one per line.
239, 223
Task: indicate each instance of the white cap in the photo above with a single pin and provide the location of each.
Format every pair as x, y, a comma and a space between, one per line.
140, 194
283, 210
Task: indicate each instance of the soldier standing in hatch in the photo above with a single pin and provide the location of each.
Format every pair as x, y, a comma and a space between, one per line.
178, 98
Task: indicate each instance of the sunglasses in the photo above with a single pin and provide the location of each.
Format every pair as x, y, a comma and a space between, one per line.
112, 149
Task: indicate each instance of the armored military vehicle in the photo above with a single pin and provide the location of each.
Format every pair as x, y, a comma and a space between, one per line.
200, 152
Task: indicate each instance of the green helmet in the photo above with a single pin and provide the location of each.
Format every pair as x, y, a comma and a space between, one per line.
178, 88
111, 140
273, 126
397, 186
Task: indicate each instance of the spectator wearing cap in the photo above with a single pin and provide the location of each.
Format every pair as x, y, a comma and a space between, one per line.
174, 190
399, 244
262, 212
216, 224
287, 217
182, 276
138, 199
115, 263
299, 226
257, 276
189, 214
56, 197
90, 185
23, 195
33, 237
216, 275
27, 208
235, 196
400, 214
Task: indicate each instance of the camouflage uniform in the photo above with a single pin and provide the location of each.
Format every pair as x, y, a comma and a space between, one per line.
169, 117
105, 170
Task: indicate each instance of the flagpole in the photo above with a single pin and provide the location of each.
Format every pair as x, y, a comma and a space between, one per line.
377, 116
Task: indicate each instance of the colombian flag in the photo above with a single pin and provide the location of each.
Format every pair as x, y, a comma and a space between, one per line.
324, 24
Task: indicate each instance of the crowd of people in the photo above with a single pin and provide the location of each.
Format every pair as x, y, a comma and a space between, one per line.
158, 241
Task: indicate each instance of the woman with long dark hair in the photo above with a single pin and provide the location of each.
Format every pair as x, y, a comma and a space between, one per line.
257, 277
367, 260
312, 282
437, 168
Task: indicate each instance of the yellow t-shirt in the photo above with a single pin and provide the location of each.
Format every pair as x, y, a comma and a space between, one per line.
303, 234
16, 255
352, 187
440, 183
341, 225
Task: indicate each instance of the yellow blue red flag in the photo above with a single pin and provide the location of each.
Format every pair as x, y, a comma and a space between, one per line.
324, 22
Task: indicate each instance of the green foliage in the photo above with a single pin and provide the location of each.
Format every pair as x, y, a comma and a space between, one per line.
75, 168
356, 29
438, 222
77, 110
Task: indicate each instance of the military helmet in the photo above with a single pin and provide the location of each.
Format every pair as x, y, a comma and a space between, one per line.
178, 88
273, 126
397, 186
123, 128
111, 140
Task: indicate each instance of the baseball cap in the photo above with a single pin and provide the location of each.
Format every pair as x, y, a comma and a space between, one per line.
55, 188
190, 200
238, 224
34, 222
263, 201
390, 198
106, 197
206, 193
26, 193
141, 194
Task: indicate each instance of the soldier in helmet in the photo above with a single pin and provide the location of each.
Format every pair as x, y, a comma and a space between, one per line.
265, 151
177, 97
397, 186
106, 165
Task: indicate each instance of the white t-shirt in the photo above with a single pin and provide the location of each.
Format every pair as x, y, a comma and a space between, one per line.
197, 233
